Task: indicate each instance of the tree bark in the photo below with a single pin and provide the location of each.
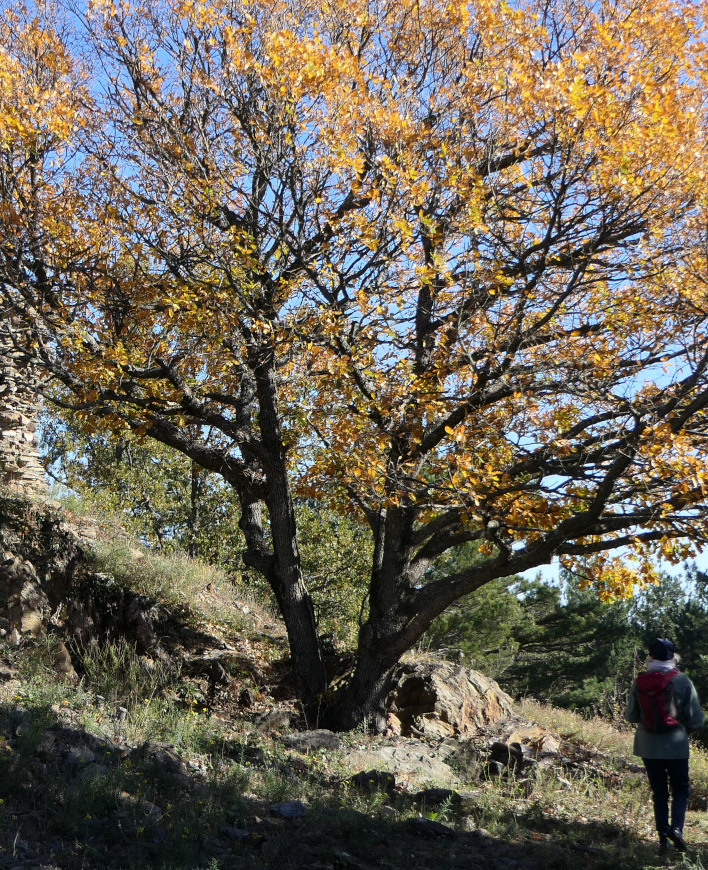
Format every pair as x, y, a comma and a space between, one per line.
378, 652
363, 701
285, 574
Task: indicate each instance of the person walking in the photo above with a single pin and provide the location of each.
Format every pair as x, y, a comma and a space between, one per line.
664, 705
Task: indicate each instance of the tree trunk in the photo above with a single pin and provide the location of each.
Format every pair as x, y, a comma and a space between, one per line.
387, 633
363, 701
20, 467
285, 574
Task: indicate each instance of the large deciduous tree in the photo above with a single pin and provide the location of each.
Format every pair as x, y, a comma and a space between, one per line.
440, 263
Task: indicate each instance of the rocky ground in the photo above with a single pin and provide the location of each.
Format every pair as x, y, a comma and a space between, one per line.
189, 752
85, 785
75, 799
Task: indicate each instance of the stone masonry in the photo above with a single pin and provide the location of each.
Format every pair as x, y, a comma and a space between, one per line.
20, 468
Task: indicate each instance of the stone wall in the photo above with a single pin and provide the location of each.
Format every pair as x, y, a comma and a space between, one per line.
20, 467
48, 580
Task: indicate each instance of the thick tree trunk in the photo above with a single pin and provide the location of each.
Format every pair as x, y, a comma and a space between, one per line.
20, 466
363, 701
285, 574
387, 633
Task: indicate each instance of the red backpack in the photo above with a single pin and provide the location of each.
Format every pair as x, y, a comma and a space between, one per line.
656, 699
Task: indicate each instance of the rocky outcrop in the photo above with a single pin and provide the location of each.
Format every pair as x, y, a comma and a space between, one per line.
39, 560
47, 576
437, 699
20, 466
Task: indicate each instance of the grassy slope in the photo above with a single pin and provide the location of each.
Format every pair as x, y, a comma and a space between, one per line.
71, 803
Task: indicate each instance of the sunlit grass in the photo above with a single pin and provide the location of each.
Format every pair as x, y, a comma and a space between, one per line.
603, 735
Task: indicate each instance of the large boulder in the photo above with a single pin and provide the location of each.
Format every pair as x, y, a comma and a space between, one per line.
437, 699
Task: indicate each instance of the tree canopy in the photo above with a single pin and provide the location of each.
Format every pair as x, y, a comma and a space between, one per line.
440, 264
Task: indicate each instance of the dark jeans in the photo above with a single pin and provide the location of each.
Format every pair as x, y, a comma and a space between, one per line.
662, 773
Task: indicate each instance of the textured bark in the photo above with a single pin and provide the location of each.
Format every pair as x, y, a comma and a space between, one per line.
285, 572
20, 466
362, 700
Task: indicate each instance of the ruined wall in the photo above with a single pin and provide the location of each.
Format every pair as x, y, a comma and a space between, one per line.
48, 580
20, 467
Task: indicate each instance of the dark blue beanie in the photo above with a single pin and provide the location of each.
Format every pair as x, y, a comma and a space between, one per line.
662, 649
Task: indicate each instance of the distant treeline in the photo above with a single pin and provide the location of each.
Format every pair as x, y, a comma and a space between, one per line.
563, 645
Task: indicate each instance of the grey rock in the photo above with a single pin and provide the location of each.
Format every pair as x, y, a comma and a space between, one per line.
289, 810
274, 720
306, 741
414, 763
79, 756
164, 756
428, 829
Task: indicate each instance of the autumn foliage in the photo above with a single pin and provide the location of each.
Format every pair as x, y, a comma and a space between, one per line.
442, 265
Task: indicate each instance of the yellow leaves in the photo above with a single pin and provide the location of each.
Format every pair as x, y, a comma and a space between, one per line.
41, 98
611, 577
419, 235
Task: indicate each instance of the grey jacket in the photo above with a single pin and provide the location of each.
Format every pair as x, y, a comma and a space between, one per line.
674, 743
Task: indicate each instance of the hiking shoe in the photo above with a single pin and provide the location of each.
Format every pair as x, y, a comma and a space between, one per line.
677, 839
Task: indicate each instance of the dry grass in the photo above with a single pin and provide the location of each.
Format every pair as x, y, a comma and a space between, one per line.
603, 735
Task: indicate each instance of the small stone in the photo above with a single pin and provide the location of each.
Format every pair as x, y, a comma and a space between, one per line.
289, 810
47, 750
306, 741
151, 809
374, 780
234, 833
158, 835
245, 698
275, 720
164, 755
429, 830
61, 659
79, 755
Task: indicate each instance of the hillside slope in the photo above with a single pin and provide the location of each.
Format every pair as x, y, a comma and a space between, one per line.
194, 757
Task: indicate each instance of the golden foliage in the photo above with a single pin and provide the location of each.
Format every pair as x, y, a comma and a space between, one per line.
470, 238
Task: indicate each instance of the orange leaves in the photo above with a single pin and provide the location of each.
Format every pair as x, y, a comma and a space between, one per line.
614, 578
467, 237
